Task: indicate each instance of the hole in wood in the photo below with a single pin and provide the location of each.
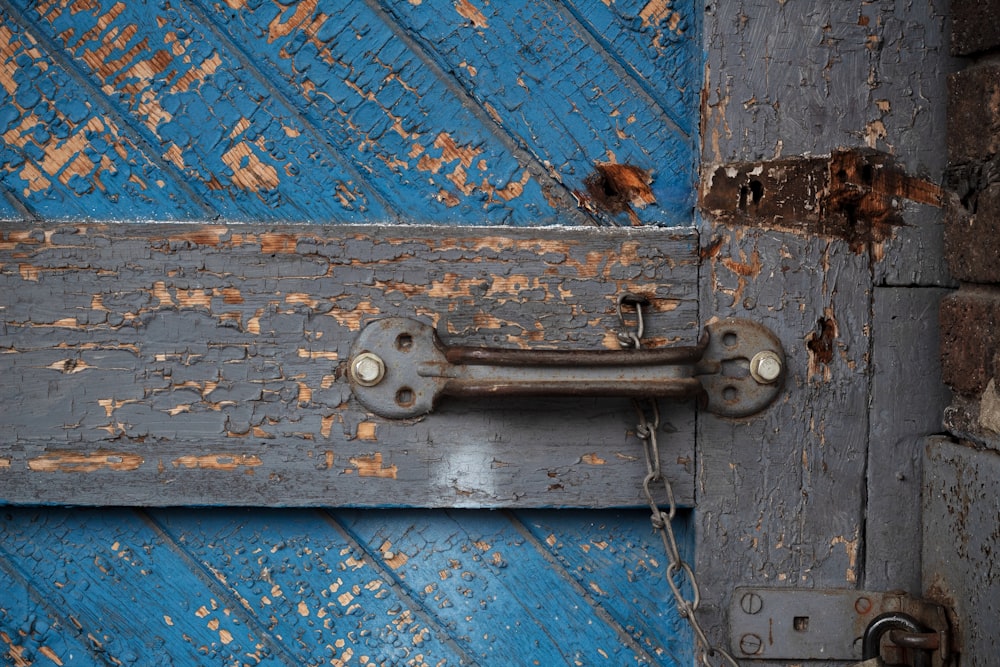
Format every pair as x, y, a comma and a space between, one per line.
800, 623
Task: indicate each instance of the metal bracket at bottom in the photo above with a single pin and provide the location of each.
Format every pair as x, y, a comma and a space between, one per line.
822, 624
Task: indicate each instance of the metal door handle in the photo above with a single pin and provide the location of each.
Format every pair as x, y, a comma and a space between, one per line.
399, 368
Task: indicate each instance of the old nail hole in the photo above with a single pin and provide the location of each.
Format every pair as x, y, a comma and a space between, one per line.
729, 339
751, 193
730, 393
867, 174
800, 623
404, 342
614, 188
404, 397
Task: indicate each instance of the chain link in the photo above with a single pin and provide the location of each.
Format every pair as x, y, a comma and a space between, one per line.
647, 426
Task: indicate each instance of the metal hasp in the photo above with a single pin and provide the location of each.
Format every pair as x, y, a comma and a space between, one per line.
399, 368
839, 624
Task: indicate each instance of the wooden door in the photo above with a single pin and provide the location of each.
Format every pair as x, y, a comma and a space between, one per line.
199, 359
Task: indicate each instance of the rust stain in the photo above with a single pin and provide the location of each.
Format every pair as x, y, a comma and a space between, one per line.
218, 461
615, 188
471, 13
820, 345
371, 466
77, 462
855, 195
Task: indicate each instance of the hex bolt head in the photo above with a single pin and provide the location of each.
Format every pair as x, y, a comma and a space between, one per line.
367, 369
751, 644
751, 603
765, 367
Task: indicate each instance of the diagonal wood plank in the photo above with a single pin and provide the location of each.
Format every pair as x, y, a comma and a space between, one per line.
314, 589
500, 595
62, 156
159, 73
398, 116
541, 74
126, 594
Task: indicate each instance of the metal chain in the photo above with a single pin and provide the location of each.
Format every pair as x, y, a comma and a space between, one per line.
648, 425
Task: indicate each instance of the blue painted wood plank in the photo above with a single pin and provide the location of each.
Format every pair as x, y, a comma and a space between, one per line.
494, 591
126, 591
61, 156
391, 113
657, 43
542, 75
32, 633
618, 559
215, 125
316, 591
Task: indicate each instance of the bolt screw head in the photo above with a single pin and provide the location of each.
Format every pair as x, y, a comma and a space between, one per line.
765, 367
751, 603
367, 369
751, 644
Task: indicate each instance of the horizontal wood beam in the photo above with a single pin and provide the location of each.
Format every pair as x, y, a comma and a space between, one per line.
163, 364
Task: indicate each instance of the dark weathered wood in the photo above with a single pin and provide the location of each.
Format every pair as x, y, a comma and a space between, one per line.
780, 494
781, 499
907, 402
961, 554
164, 365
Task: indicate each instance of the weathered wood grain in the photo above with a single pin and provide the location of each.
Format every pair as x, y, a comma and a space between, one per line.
782, 494
543, 75
156, 73
908, 401
306, 583
62, 156
115, 586
194, 365
498, 589
371, 92
961, 516
293, 587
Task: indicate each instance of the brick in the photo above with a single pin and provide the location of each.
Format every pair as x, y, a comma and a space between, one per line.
972, 236
970, 338
975, 27
974, 114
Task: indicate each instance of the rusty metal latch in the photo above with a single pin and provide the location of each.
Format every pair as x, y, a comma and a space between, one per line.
399, 368
776, 624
